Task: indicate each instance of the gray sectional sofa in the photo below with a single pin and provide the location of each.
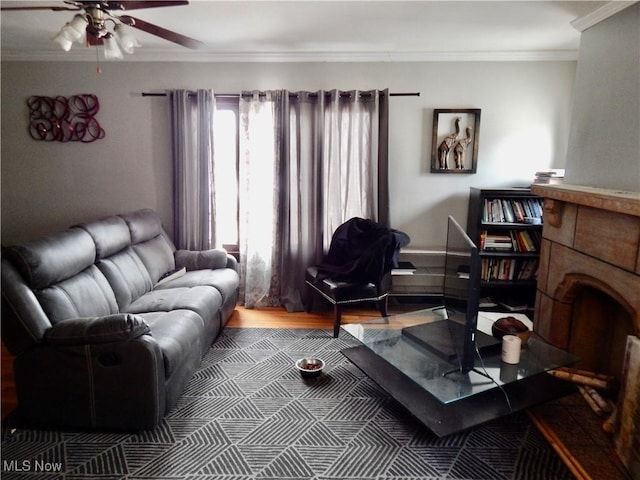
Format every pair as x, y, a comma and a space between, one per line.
100, 341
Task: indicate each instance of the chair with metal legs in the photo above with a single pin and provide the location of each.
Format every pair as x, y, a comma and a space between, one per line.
343, 293
357, 268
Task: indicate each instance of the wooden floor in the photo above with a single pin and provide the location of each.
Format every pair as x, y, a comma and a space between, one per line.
272, 317
278, 317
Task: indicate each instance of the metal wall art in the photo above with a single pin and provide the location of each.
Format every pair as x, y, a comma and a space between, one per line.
64, 119
454, 148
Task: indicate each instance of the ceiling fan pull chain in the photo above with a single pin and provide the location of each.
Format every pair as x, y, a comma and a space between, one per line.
98, 66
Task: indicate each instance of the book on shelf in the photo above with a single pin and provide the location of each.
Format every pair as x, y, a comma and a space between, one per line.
529, 271
508, 269
512, 241
527, 240
511, 210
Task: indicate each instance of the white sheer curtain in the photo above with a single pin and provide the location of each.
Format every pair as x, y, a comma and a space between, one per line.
258, 195
192, 143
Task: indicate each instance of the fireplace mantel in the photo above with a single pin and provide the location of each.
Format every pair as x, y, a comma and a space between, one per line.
602, 198
589, 233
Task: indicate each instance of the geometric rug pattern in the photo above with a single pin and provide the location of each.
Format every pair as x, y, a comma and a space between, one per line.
247, 414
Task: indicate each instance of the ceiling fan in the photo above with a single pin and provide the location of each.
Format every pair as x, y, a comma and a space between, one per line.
89, 26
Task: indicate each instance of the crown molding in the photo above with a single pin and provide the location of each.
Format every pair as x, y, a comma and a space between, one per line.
600, 14
296, 57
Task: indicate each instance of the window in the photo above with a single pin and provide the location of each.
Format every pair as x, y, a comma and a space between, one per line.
226, 173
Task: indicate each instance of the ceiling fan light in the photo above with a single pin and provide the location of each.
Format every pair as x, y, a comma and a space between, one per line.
63, 40
127, 41
76, 28
111, 49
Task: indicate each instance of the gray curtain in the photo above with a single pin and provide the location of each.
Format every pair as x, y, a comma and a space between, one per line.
192, 145
333, 166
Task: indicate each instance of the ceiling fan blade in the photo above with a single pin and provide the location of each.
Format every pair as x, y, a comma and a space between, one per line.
133, 5
55, 9
161, 32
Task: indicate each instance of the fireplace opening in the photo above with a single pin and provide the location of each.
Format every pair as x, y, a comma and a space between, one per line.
598, 332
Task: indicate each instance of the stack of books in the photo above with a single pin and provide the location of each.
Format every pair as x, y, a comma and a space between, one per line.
550, 177
496, 241
512, 241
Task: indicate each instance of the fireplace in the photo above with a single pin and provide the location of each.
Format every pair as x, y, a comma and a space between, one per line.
588, 297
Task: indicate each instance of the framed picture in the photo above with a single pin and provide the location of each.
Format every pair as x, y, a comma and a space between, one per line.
454, 148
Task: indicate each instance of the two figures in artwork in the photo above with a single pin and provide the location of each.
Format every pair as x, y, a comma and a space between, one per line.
459, 147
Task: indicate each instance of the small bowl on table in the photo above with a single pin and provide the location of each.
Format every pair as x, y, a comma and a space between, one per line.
310, 366
510, 326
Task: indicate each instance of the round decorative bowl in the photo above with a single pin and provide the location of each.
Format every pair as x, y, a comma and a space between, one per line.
510, 326
310, 366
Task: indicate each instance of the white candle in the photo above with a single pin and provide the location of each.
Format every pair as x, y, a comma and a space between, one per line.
511, 349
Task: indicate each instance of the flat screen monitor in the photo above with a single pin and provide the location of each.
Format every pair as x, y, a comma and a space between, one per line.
456, 338
461, 293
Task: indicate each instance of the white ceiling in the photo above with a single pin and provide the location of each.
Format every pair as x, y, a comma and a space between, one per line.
320, 30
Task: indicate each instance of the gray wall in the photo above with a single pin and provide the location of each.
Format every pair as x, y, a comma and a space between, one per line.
604, 142
49, 186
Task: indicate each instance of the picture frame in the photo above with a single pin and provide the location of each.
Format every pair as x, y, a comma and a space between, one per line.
454, 146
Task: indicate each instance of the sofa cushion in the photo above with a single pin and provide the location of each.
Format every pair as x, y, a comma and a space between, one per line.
204, 300
87, 294
109, 234
143, 225
224, 280
179, 334
127, 275
53, 258
156, 255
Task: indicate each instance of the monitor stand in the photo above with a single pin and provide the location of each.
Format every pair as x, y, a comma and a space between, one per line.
438, 337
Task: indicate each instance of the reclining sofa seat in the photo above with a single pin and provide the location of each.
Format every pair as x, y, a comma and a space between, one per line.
98, 342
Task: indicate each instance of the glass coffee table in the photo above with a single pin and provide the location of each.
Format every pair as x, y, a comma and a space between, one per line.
430, 386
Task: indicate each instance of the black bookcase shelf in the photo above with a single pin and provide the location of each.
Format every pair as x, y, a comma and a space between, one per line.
509, 246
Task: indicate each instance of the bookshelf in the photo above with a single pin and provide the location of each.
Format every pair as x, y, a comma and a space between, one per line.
506, 224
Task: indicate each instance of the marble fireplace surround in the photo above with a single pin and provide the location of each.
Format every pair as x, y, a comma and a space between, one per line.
591, 239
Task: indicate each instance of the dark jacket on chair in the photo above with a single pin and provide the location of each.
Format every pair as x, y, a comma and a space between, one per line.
362, 250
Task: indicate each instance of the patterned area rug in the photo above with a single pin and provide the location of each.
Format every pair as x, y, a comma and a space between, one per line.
248, 414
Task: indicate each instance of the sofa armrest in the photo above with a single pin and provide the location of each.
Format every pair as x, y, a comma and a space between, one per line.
202, 259
117, 386
110, 328
232, 263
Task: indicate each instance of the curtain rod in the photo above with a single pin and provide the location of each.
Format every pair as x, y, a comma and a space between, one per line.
237, 95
